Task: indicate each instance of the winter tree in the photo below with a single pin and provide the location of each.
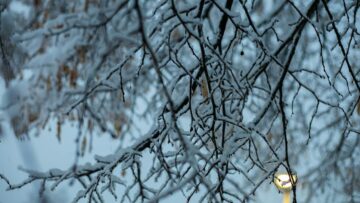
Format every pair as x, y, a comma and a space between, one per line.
234, 90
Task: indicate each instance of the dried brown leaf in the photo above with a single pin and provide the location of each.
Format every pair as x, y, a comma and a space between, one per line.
37, 3
90, 126
269, 136
86, 5
48, 84
81, 51
204, 88
73, 77
58, 130
118, 126
59, 80
83, 146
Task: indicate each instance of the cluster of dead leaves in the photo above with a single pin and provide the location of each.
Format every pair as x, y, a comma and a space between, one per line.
67, 72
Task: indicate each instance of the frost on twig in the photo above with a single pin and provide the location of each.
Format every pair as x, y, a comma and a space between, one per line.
233, 91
